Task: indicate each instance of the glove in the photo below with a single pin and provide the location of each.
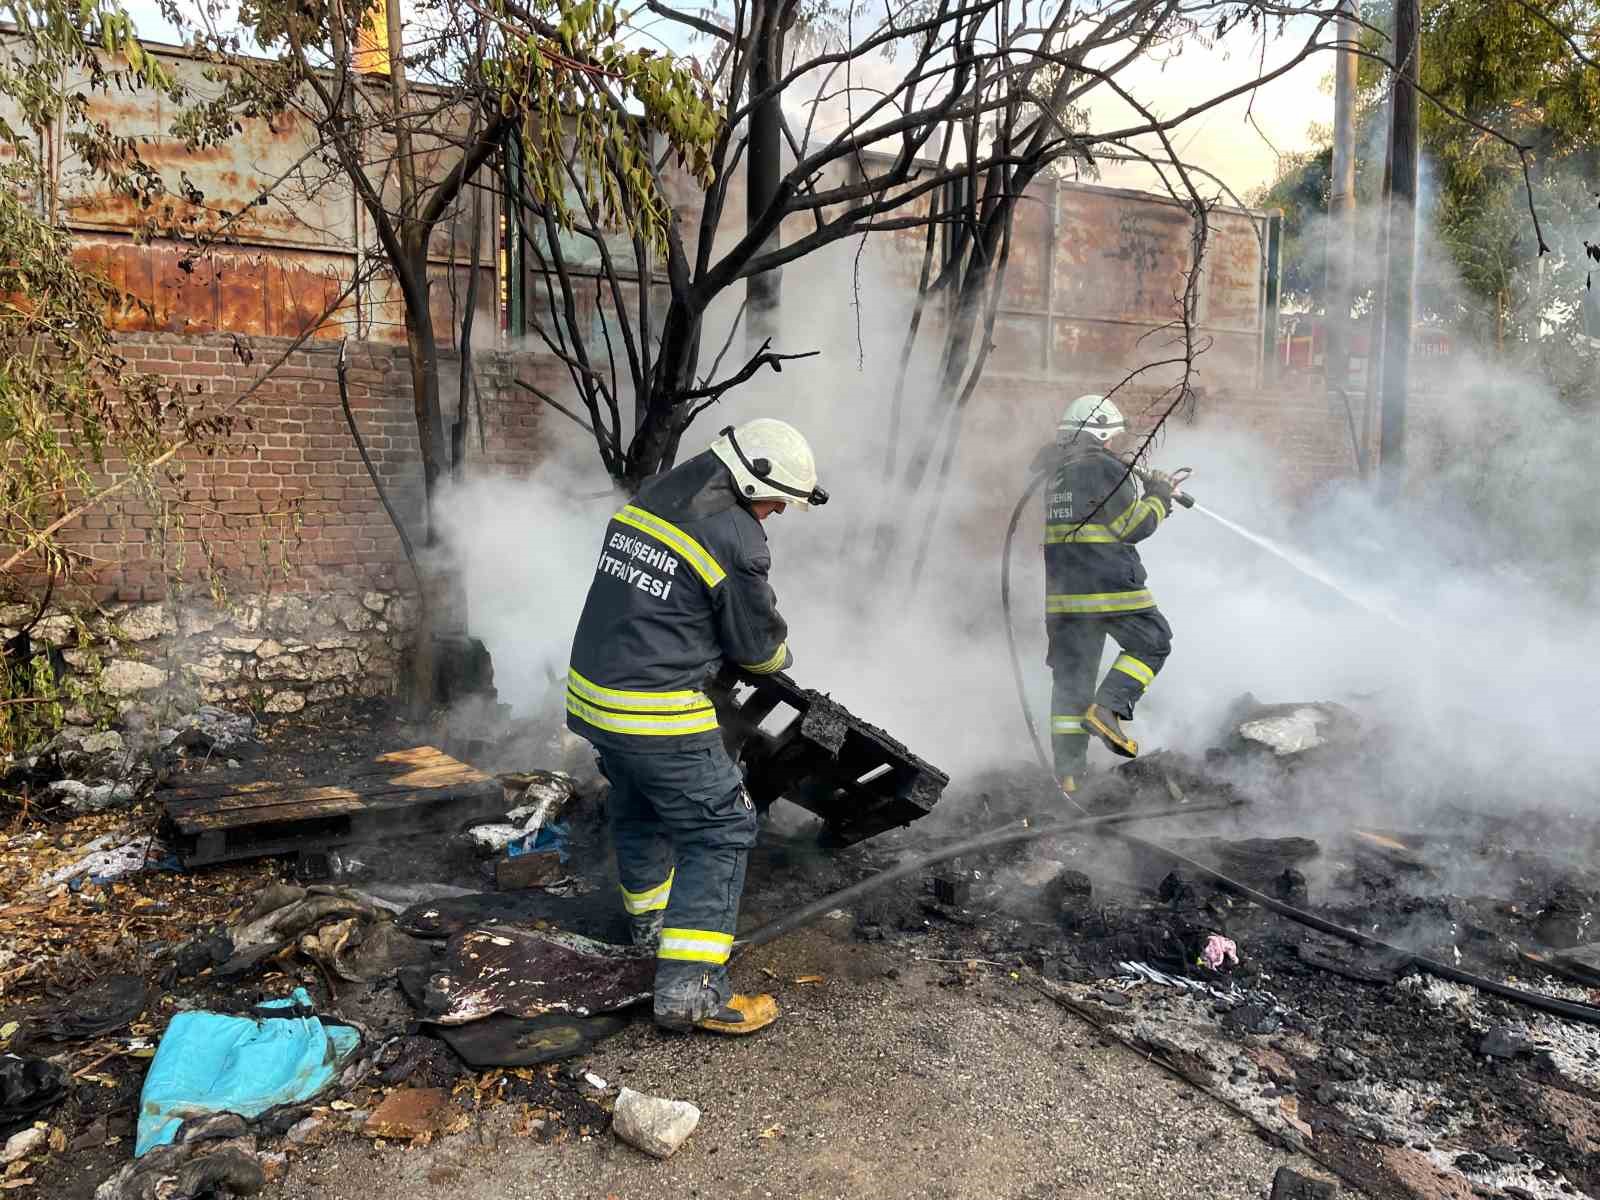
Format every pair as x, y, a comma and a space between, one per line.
1160, 485
1045, 460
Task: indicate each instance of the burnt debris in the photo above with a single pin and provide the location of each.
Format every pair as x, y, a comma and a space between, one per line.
803, 746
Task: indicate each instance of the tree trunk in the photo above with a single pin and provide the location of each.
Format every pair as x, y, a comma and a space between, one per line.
423, 346
655, 442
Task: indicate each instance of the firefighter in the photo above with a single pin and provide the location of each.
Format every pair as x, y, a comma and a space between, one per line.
1095, 583
680, 586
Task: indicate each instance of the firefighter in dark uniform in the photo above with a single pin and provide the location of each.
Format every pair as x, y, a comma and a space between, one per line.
1095, 584
680, 586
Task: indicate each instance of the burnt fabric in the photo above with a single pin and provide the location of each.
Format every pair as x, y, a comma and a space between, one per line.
683, 827
680, 585
29, 1088
1076, 645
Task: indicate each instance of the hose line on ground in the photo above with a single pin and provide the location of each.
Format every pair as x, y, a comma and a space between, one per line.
1554, 1005
992, 840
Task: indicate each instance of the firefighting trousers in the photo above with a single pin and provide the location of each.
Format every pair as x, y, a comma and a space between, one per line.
683, 826
1076, 644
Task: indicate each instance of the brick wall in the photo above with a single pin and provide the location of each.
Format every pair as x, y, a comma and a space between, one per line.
289, 504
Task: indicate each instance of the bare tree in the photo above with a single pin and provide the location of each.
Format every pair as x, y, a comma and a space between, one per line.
883, 118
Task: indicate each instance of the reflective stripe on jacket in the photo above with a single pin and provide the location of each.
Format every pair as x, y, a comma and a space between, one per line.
1093, 516
680, 585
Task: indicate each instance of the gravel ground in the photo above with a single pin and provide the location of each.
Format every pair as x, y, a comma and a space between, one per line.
889, 1078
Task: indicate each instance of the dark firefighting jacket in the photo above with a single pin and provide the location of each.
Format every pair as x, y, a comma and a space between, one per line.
1094, 515
681, 585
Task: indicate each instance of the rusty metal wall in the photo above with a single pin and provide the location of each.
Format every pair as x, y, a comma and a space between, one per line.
274, 267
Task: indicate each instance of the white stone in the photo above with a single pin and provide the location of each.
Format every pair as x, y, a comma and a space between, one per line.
335, 664
1287, 735
144, 622
325, 691
241, 645
199, 620
108, 741
286, 702
57, 631
247, 617
374, 602
269, 649
124, 676
290, 667
656, 1126
82, 660
289, 613
212, 668
22, 1144
16, 614
336, 643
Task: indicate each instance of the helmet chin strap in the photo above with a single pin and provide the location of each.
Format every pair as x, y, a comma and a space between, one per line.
761, 468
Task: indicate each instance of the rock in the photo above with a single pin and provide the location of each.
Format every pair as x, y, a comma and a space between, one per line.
410, 1113
307, 1131
56, 631
82, 798
213, 728
285, 702
20, 1145
124, 676
374, 602
198, 620
1502, 1042
1291, 1185
267, 648
212, 668
289, 613
649, 1123
241, 645
274, 1167
108, 741
334, 664
145, 622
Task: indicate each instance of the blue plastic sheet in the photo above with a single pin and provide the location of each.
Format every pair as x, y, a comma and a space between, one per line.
549, 836
209, 1062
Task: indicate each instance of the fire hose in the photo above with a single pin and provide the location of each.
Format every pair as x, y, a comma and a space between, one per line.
1573, 1010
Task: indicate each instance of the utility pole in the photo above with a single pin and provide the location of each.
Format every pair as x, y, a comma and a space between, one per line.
1399, 302
763, 168
1341, 217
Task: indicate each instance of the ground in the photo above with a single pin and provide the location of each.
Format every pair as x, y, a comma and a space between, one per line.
883, 1080
976, 1035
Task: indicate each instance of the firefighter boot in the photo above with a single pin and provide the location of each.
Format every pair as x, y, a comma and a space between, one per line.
1104, 724
741, 1014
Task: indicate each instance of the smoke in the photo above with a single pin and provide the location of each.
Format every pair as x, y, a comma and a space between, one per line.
1481, 696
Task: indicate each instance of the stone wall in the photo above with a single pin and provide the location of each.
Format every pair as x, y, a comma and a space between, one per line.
142, 665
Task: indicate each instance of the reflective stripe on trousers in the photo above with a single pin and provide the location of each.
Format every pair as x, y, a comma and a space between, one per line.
695, 945
650, 900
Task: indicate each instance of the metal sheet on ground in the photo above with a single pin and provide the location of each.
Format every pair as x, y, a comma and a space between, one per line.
529, 972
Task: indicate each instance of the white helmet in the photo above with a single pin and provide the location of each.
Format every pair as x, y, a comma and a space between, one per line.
1092, 414
770, 460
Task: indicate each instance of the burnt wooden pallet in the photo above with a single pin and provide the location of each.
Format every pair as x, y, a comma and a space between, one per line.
807, 748
396, 795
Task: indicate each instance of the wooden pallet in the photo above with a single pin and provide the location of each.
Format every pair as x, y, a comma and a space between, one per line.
396, 795
805, 747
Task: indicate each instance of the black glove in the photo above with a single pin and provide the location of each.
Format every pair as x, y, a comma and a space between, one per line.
1159, 485
1045, 460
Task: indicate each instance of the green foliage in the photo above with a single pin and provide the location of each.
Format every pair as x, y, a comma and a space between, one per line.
568, 93
1510, 80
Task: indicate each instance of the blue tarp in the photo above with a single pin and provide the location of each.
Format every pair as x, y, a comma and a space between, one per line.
208, 1063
